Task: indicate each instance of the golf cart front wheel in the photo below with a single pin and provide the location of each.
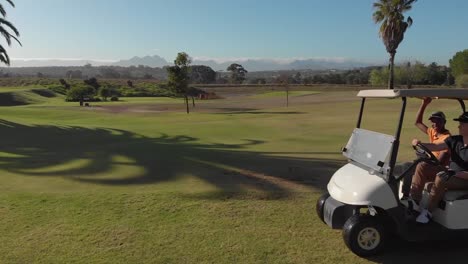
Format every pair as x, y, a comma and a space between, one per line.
364, 235
320, 205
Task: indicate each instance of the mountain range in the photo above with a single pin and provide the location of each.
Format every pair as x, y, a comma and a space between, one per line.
250, 65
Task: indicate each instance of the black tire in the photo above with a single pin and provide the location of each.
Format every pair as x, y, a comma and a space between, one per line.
364, 235
320, 204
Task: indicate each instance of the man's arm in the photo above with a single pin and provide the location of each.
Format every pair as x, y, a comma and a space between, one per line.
444, 157
419, 116
431, 146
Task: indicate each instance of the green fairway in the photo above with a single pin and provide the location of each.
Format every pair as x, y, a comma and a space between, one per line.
235, 181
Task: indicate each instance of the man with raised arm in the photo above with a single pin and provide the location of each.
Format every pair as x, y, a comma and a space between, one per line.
437, 133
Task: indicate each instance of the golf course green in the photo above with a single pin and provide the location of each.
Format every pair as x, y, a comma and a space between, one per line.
141, 181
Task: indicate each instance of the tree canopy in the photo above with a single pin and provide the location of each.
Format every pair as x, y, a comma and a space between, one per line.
459, 63
237, 73
202, 74
413, 73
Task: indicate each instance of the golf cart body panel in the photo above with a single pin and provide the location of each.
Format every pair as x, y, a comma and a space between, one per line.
452, 212
346, 186
369, 155
453, 216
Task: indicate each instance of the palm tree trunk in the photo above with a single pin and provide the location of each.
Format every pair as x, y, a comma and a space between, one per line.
390, 77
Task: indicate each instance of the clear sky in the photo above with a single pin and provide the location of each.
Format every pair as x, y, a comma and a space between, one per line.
121, 29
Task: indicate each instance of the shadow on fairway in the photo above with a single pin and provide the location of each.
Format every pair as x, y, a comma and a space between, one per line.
97, 156
449, 251
261, 112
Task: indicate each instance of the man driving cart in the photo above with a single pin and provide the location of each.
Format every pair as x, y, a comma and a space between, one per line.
456, 177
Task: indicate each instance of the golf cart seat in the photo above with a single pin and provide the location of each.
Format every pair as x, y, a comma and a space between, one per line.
456, 195
451, 195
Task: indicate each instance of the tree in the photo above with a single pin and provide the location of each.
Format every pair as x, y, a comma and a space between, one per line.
178, 76
92, 82
462, 81
297, 78
5, 27
74, 74
80, 92
378, 77
109, 72
202, 74
237, 73
105, 92
393, 26
284, 80
459, 63
437, 75
64, 84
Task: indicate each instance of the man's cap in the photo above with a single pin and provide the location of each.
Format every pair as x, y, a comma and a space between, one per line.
462, 118
437, 114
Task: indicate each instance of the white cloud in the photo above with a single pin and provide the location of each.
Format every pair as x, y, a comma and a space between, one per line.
62, 59
273, 60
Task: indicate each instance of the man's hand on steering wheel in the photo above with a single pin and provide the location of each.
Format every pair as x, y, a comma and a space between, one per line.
424, 153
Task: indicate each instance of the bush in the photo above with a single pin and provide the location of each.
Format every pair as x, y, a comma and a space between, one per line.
114, 98
462, 81
105, 92
145, 90
78, 92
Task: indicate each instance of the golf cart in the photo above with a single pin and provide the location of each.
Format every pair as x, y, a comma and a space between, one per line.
364, 196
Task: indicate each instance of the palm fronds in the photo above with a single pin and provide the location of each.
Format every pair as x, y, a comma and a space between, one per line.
5, 30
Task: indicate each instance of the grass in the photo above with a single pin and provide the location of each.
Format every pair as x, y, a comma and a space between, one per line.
78, 185
283, 94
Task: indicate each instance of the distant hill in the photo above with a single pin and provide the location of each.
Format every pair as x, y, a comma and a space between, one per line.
151, 61
251, 65
254, 64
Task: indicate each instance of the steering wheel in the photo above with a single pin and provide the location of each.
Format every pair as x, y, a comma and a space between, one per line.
424, 153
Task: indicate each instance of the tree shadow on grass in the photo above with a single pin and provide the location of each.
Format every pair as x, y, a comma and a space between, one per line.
262, 112
98, 155
448, 251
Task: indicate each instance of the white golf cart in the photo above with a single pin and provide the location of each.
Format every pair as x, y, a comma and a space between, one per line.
364, 196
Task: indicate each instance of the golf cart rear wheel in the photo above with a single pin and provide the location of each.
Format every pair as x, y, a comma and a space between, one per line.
320, 205
364, 235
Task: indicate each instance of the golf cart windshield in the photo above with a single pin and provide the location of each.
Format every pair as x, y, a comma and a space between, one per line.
371, 149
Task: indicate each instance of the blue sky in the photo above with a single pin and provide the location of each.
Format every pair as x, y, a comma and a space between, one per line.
121, 29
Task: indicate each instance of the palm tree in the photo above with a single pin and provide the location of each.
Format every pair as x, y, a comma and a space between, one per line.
393, 26
5, 27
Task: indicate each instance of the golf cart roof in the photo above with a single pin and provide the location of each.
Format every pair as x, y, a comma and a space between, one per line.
447, 93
